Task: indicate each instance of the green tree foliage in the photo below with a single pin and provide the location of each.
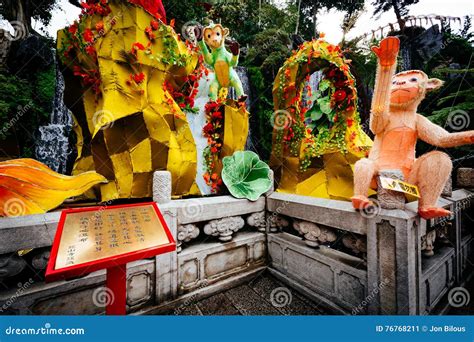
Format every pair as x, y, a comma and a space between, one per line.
24, 106
25, 10
400, 7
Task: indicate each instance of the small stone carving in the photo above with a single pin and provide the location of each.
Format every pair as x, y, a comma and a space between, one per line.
40, 260
313, 234
277, 222
427, 243
258, 220
11, 265
162, 186
356, 243
225, 227
186, 233
442, 234
389, 199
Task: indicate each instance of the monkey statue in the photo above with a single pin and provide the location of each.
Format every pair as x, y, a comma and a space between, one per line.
396, 126
220, 60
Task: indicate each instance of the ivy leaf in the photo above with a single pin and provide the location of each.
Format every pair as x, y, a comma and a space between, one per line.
245, 175
325, 104
315, 113
324, 85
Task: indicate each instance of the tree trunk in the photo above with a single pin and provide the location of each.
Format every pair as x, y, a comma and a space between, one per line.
396, 9
315, 14
19, 11
298, 17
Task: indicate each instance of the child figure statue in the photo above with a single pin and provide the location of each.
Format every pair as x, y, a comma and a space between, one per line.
397, 126
220, 60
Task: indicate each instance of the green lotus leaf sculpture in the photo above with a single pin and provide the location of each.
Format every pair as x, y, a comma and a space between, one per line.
245, 175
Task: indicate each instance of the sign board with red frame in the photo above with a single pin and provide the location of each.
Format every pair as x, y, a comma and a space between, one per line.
108, 237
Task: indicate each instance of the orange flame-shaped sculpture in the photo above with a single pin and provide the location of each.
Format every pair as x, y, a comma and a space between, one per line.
30, 187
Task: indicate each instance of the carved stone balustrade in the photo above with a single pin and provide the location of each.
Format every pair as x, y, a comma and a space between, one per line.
258, 220
313, 234
224, 228
186, 232
427, 243
356, 243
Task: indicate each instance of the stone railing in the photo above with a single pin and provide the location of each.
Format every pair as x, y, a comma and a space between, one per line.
379, 262
216, 249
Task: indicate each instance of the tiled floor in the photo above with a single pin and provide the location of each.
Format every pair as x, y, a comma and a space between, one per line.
264, 295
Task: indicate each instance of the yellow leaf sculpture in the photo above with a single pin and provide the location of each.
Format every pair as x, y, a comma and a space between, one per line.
30, 187
127, 125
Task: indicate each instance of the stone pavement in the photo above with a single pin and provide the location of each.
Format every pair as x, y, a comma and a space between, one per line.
264, 295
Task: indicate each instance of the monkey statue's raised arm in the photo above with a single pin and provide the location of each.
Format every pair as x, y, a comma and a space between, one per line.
220, 60
396, 126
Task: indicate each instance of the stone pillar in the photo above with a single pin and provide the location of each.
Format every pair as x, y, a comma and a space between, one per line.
389, 199
394, 265
161, 187
272, 178
166, 283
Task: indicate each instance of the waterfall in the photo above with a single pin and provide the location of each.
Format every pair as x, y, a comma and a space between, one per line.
244, 78
196, 122
52, 146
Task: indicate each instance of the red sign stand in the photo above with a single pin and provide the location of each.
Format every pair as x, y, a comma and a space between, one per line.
74, 236
117, 282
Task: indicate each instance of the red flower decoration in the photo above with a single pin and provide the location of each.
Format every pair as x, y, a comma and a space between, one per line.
99, 26
73, 28
149, 33
137, 46
138, 78
339, 95
208, 128
90, 50
154, 25
88, 35
217, 115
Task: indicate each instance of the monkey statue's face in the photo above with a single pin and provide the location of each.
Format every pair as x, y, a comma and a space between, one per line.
410, 87
214, 36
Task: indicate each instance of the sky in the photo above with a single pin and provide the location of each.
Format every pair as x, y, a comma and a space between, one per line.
328, 22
